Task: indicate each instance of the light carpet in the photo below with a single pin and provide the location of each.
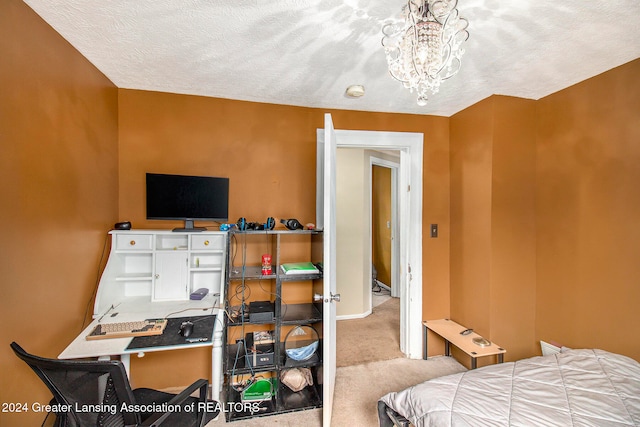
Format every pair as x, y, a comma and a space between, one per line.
375, 337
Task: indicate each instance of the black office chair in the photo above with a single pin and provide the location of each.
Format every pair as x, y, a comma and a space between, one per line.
95, 392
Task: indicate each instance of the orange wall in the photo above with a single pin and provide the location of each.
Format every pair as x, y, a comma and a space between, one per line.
588, 213
268, 152
493, 222
513, 268
58, 166
380, 215
544, 217
471, 163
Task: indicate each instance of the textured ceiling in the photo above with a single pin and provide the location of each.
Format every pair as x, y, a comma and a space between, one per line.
306, 52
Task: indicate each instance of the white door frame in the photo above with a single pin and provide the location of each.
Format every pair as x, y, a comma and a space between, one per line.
410, 223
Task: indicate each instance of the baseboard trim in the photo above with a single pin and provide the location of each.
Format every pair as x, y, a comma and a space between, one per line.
382, 285
354, 316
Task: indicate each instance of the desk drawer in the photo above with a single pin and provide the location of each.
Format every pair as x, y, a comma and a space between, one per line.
134, 242
208, 242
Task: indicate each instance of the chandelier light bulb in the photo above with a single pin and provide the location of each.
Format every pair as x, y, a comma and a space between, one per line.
426, 48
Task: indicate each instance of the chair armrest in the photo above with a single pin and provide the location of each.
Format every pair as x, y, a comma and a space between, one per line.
158, 417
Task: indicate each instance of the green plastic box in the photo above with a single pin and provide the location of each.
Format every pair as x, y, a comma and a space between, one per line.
263, 389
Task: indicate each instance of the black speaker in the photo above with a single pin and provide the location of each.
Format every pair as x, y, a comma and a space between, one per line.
292, 224
126, 225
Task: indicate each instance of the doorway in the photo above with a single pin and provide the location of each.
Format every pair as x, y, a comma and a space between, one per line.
385, 247
409, 147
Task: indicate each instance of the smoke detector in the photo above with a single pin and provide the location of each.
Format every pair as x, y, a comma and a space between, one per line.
355, 91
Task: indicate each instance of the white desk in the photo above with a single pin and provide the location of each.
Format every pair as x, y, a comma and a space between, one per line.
139, 309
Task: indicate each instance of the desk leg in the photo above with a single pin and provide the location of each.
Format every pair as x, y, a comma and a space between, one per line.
447, 348
474, 363
424, 340
216, 361
501, 358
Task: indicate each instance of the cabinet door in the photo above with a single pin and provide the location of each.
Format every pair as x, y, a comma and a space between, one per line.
171, 275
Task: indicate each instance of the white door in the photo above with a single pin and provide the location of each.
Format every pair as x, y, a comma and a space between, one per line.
327, 221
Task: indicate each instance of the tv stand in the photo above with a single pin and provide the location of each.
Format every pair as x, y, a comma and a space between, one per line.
189, 227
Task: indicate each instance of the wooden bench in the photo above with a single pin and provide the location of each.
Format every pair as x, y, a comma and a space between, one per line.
450, 331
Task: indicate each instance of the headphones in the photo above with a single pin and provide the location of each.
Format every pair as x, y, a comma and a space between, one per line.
292, 224
270, 224
243, 225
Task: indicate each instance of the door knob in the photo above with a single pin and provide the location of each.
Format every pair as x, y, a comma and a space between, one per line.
318, 298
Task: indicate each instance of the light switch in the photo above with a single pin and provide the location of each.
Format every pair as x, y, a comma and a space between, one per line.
434, 230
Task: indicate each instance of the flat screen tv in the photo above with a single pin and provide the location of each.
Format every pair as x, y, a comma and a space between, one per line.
187, 198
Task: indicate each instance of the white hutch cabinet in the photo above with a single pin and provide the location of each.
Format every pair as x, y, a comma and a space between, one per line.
153, 266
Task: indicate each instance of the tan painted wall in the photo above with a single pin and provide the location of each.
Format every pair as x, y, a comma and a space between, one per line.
352, 231
58, 167
588, 213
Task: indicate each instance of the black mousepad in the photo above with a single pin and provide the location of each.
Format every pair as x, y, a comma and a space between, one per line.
202, 328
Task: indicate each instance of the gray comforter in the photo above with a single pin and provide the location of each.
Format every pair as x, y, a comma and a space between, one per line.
571, 388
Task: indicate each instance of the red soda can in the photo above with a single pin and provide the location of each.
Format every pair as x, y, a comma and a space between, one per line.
266, 264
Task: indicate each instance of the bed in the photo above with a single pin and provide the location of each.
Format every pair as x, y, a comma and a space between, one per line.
585, 387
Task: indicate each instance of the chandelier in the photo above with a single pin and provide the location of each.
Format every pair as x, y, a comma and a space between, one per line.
425, 49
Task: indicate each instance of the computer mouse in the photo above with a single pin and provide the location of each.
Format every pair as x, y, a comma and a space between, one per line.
186, 328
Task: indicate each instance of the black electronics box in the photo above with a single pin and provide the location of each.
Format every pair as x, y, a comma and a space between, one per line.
262, 356
261, 312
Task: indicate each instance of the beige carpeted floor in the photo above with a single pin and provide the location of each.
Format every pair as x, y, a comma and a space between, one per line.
370, 365
375, 337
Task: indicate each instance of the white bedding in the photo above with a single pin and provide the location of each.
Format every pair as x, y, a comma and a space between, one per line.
572, 388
